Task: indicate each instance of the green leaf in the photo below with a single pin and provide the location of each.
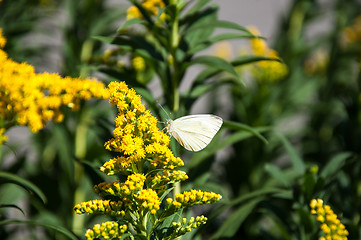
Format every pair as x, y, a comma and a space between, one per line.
276, 173
147, 96
57, 228
137, 44
215, 146
9, 177
130, 22
297, 162
335, 164
139, 236
220, 24
243, 127
166, 193
242, 60
198, 6
165, 229
12, 206
200, 90
217, 63
143, 11
235, 219
199, 34
264, 192
226, 36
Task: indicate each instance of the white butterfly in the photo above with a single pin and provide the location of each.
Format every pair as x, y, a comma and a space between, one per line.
194, 132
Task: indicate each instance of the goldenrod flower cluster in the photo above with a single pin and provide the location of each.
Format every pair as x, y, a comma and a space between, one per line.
193, 197
266, 71
112, 208
134, 183
150, 5
181, 228
136, 136
107, 230
149, 166
330, 224
164, 177
33, 99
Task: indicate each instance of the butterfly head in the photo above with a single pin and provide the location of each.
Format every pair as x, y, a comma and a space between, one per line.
169, 126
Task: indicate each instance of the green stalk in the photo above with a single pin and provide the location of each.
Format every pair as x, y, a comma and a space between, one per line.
80, 153
174, 39
86, 53
175, 81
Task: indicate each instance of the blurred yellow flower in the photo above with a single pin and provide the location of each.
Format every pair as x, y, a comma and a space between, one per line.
317, 62
266, 71
3, 138
33, 99
151, 5
138, 64
352, 34
223, 50
330, 224
2, 38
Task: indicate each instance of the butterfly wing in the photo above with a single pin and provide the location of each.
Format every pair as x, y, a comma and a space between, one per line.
195, 132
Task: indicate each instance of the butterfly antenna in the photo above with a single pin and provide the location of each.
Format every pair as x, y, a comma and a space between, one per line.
163, 109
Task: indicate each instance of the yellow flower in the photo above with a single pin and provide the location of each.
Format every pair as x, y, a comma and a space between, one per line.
317, 62
2, 39
145, 158
193, 197
148, 199
352, 34
184, 226
269, 71
330, 224
112, 208
33, 99
136, 135
138, 64
223, 50
3, 138
106, 230
150, 5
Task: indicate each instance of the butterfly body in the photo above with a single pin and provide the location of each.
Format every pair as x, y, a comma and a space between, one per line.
194, 132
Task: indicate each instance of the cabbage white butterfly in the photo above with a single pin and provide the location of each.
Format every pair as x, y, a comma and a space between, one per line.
194, 132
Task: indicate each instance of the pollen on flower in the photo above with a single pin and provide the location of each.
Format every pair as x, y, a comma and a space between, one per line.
330, 224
